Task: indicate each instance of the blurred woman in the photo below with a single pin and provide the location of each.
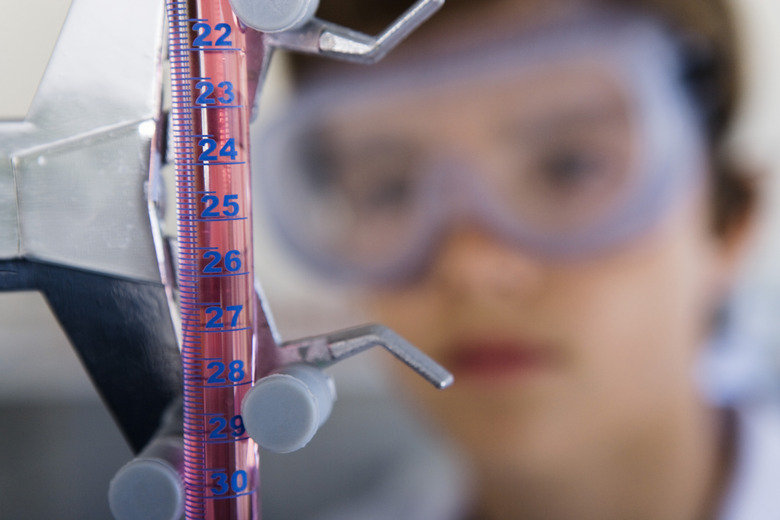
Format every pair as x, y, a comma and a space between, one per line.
537, 195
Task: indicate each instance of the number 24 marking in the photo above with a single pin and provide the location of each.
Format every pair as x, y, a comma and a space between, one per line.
209, 145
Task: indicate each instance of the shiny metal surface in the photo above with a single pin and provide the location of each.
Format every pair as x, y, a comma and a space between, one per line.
76, 220
274, 16
72, 174
335, 41
332, 348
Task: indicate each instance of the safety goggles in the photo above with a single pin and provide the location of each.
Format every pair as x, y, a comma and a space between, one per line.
563, 142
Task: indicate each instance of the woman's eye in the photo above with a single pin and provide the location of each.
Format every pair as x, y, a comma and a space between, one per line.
381, 181
568, 170
388, 192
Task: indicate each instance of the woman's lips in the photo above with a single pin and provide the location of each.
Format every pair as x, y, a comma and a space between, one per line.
499, 358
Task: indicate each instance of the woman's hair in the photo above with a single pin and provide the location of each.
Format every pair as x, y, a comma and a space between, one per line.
707, 37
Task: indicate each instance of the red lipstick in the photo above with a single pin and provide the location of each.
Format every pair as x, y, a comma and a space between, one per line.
498, 359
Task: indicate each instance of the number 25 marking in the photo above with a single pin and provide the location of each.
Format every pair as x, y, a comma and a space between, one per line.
230, 207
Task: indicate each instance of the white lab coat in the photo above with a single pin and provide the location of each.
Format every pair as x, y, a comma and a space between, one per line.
754, 490
427, 485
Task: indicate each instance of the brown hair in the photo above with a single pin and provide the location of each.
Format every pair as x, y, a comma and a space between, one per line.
707, 36
709, 39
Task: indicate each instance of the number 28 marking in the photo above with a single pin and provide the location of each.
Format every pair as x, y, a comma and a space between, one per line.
234, 372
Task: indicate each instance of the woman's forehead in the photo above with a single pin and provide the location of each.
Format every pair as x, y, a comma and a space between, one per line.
620, 42
469, 24
569, 90
594, 64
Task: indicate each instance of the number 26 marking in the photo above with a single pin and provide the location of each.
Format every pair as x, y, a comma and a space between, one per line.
232, 261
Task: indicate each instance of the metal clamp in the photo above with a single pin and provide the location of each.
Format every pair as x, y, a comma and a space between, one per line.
283, 411
331, 348
307, 34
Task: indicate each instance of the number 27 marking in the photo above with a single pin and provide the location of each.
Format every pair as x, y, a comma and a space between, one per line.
217, 313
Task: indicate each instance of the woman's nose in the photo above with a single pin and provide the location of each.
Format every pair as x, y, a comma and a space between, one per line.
472, 262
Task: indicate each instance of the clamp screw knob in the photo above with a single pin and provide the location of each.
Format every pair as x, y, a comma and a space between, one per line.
275, 15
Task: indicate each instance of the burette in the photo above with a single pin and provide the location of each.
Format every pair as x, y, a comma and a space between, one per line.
210, 123
211, 99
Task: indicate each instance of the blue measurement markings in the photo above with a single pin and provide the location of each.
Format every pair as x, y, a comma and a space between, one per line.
221, 485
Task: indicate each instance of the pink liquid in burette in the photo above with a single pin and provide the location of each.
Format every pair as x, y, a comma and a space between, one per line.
211, 135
